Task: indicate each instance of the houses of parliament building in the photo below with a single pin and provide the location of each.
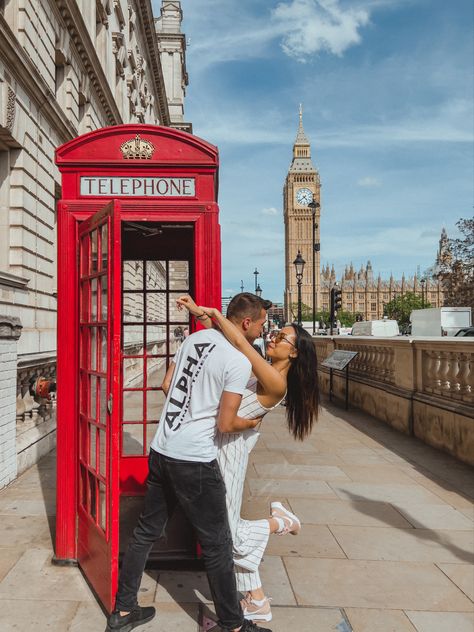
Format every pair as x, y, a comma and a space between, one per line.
363, 292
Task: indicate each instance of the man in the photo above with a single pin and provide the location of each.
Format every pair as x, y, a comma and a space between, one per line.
204, 384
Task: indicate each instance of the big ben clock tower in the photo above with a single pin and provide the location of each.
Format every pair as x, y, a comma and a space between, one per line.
302, 187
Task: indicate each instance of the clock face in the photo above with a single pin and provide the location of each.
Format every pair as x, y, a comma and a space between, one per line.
304, 196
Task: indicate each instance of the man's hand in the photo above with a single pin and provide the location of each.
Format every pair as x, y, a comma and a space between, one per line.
255, 421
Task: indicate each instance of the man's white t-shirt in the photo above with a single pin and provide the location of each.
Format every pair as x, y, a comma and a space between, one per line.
206, 366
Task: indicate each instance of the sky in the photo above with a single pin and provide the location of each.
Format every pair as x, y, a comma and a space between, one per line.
387, 94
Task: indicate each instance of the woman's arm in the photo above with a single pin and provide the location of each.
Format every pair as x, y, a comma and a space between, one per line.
168, 377
187, 302
270, 380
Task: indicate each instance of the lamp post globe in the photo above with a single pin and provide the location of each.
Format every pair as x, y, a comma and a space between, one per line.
258, 291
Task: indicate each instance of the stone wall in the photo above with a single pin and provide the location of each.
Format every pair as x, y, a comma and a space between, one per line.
66, 67
10, 329
422, 387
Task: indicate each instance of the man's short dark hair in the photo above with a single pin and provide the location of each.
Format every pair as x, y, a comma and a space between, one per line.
247, 305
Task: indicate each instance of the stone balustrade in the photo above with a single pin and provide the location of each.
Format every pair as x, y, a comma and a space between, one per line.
423, 387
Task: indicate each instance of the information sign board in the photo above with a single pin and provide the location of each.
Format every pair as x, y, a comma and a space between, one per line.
339, 359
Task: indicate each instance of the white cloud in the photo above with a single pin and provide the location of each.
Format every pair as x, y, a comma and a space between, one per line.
270, 211
312, 26
303, 27
369, 182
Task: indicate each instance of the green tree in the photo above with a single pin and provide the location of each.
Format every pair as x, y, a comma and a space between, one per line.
401, 307
347, 319
456, 271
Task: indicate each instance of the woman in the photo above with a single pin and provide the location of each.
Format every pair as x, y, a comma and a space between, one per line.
292, 375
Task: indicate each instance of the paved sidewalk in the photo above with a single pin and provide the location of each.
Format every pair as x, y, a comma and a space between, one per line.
387, 541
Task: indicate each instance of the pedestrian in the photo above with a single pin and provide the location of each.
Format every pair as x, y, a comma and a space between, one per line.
204, 386
291, 376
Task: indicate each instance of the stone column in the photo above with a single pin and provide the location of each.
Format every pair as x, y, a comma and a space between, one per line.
10, 330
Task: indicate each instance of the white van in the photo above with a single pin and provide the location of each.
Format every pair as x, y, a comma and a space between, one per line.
382, 328
439, 321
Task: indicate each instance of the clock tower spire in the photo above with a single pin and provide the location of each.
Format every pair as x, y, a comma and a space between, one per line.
301, 199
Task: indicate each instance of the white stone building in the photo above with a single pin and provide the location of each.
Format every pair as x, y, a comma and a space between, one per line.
66, 67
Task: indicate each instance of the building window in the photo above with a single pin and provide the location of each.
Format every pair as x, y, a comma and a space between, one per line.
373, 296
373, 307
361, 297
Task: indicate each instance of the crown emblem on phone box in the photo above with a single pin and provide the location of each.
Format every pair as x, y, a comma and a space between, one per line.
137, 148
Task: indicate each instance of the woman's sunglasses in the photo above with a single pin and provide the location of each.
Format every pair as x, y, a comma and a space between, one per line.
280, 337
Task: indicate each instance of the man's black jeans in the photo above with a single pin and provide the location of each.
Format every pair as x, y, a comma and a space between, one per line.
199, 489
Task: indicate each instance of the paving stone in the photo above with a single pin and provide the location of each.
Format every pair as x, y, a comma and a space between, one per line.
25, 530
410, 545
344, 512
182, 587
8, 558
307, 620
277, 488
287, 444
462, 575
88, 616
440, 516
358, 457
275, 581
373, 584
384, 493
296, 472
298, 458
41, 616
385, 474
34, 577
312, 541
27, 507
364, 620
442, 621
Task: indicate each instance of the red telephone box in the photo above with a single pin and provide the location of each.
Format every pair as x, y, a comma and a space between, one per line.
137, 226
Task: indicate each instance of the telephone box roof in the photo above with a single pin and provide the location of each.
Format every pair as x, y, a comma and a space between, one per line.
162, 145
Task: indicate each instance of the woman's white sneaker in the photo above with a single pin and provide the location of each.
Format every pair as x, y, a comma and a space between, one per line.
292, 522
256, 610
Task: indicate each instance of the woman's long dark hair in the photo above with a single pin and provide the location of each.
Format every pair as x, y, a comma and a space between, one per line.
302, 397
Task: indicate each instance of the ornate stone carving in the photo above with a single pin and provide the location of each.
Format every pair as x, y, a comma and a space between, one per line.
11, 109
10, 327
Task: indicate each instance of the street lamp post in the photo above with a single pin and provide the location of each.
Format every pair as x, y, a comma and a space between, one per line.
256, 272
314, 207
241, 286
423, 281
299, 264
258, 291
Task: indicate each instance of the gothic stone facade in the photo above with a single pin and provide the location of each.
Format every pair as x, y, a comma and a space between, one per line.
66, 67
362, 293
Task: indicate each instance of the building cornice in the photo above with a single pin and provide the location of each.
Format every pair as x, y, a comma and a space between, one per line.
72, 17
25, 72
147, 23
13, 280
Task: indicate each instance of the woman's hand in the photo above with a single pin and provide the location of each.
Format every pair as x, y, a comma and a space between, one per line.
210, 311
186, 301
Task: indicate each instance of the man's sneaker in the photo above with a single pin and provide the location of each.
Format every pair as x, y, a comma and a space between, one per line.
138, 616
250, 626
292, 523
255, 610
